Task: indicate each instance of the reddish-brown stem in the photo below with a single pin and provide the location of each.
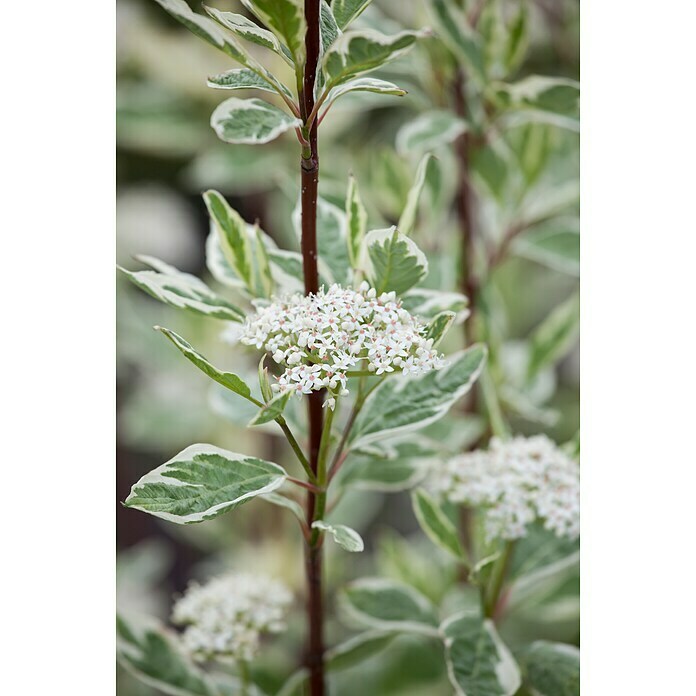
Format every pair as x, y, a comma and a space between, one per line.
314, 654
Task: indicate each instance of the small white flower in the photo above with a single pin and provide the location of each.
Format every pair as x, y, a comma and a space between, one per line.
318, 338
225, 617
516, 482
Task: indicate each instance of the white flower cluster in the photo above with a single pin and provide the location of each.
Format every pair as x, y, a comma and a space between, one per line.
225, 617
517, 482
320, 338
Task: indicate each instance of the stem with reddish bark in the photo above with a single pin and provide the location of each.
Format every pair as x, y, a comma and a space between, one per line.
314, 656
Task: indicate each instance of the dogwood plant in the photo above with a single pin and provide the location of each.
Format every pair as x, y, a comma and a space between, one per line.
345, 326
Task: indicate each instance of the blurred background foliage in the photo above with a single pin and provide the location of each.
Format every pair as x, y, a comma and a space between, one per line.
167, 154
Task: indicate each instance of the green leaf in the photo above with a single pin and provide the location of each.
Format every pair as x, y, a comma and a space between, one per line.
357, 52
263, 274
345, 537
346, 11
288, 503
389, 606
396, 263
407, 221
436, 524
478, 662
439, 326
517, 40
363, 84
182, 290
246, 29
401, 403
552, 669
455, 31
556, 245
328, 29
427, 303
272, 409
332, 243
202, 482
243, 78
232, 231
154, 655
286, 268
264, 383
250, 121
207, 30
285, 18
385, 475
542, 99
356, 221
429, 131
356, 649
555, 336
226, 379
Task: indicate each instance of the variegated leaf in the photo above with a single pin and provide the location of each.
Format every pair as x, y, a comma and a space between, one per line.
346, 11
439, 326
244, 78
364, 84
232, 232
407, 221
389, 606
263, 276
285, 18
345, 537
287, 503
250, 121
226, 379
357, 52
453, 28
478, 662
207, 30
154, 655
248, 30
202, 482
272, 409
556, 245
427, 303
356, 220
552, 669
555, 336
404, 403
395, 262
182, 290
436, 524
328, 29
429, 131
356, 649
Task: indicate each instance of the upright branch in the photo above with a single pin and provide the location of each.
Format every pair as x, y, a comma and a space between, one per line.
315, 501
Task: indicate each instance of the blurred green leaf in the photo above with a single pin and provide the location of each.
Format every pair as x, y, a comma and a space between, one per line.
552, 669
436, 524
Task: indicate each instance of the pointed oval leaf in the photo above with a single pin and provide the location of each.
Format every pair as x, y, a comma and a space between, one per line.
390, 606
182, 290
346, 11
287, 503
345, 537
357, 52
429, 131
243, 78
556, 246
427, 303
478, 662
154, 655
246, 29
396, 263
555, 336
226, 379
356, 649
439, 326
202, 482
250, 121
436, 524
402, 403
367, 473
272, 409
364, 84
407, 221
286, 19
552, 669
454, 29
232, 231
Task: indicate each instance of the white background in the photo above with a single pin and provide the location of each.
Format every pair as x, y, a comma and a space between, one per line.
58, 347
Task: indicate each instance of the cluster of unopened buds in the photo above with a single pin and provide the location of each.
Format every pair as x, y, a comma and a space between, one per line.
516, 482
225, 618
324, 339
